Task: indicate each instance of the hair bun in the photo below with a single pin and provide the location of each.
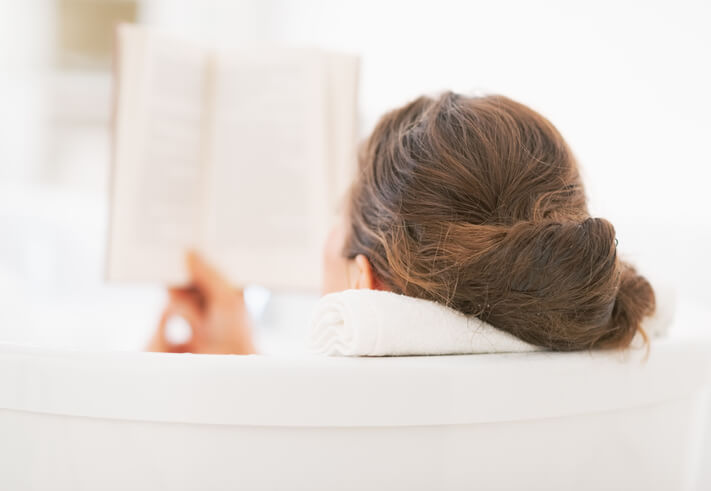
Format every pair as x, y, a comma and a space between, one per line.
635, 300
561, 285
580, 254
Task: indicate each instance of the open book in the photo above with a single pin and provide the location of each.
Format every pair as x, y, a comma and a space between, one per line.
242, 155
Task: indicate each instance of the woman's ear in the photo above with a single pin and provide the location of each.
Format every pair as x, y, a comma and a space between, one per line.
361, 274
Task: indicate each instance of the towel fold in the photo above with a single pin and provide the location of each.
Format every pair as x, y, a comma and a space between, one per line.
380, 323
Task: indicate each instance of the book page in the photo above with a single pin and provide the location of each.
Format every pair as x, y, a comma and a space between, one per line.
342, 127
157, 182
268, 195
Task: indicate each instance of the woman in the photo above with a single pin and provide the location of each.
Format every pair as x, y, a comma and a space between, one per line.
474, 202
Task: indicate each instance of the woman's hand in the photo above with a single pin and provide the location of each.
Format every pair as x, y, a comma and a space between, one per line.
214, 310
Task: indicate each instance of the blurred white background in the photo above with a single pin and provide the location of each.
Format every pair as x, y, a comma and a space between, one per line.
627, 83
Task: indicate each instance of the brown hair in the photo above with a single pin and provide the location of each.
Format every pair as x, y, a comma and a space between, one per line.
477, 203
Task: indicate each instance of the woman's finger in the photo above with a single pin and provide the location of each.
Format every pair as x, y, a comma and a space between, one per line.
189, 294
205, 277
158, 341
188, 307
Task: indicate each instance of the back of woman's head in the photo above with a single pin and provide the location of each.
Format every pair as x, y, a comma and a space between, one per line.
477, 203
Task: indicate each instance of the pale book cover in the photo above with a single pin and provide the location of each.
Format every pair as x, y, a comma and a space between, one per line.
241, 154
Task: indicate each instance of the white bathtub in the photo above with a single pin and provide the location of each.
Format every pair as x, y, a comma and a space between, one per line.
122, 420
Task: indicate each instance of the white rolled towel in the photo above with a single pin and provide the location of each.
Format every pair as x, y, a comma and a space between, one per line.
380, 323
